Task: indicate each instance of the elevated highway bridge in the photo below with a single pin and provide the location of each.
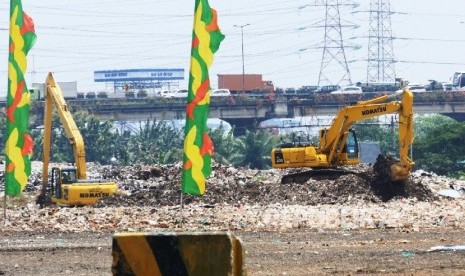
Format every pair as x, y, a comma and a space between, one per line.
245, 111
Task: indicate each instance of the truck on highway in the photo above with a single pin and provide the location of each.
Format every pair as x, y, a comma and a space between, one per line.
69, 90
458, 81
247, 83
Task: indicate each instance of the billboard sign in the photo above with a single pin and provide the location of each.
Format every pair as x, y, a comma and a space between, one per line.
139, 75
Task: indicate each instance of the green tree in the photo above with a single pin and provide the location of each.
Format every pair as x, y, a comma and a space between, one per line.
438, 146
38, 138
254, 150
156, 143
386, 136
100, 140
224, 143
121, 153
60, 148
425, 124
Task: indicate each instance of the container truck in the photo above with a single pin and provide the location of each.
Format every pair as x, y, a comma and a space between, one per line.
248, 83
69, 89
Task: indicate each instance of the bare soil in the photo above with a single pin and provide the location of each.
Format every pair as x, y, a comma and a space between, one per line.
150, 195
377, 252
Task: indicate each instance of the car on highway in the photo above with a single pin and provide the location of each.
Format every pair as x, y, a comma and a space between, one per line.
414, 88
220, 92
327, 88
174, 94
90, 95
447, 86
164, 94
182, 93
348, 90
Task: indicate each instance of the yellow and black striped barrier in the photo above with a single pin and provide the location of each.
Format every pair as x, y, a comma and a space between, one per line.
167, 254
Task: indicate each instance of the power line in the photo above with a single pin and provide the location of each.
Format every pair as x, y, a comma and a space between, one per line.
430, 62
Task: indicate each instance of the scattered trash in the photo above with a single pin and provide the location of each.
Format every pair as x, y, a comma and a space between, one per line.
244, 199
403, 241
450, 193
407, 254
204, 221
447, 248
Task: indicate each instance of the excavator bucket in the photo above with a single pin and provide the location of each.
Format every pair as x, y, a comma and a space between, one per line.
390, 167
399, 173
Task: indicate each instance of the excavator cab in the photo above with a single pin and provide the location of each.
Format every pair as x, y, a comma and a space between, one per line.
61, 176
350, 152
66, 190
352, 147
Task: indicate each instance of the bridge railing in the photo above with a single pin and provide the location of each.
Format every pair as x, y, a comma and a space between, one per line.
315, 99
248, 101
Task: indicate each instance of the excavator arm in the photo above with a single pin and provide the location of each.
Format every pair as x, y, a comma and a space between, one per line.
54, 96
403, 169
333, 139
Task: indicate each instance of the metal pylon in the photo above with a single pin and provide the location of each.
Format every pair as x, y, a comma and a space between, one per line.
380, 44
334, 68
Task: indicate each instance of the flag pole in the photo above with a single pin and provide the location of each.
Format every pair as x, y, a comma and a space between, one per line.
182, 207
4, 208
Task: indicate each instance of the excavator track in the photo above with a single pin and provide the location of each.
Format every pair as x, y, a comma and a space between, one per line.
302, 177
382, 169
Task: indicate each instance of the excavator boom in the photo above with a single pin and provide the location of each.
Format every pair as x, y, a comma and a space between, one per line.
53, 96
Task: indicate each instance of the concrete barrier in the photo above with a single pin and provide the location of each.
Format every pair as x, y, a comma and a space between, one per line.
177, 254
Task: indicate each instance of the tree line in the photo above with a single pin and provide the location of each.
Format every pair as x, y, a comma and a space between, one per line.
438, 145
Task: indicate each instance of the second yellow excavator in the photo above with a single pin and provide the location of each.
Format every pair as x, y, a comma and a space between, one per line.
68, 186
338, 145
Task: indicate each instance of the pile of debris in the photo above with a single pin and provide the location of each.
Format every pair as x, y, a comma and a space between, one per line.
249, 200
160, 186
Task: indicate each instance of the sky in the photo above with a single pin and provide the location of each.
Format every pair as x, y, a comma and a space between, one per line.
283, 40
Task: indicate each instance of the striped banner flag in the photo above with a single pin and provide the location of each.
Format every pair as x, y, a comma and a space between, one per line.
19, 144
198, 147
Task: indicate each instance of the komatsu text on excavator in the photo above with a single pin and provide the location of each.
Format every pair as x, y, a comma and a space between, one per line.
338, 145
68, 186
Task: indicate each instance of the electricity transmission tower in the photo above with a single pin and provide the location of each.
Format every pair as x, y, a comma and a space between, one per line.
334, 61
380, 49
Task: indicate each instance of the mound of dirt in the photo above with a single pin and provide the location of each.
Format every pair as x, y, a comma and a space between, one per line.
386, 189
160, 186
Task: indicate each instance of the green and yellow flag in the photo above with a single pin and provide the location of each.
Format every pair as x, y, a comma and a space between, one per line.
19, 145
198, 147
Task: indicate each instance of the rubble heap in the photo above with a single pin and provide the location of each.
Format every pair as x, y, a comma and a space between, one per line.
160, 186
248, 200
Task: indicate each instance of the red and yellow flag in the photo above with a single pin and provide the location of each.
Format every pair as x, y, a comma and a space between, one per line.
198, 147
19, 145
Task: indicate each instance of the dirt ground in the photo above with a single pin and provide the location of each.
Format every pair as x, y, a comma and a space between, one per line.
375, 252
350, 224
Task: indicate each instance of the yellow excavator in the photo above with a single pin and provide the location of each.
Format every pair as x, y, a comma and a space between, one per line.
68, 186
338, 145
